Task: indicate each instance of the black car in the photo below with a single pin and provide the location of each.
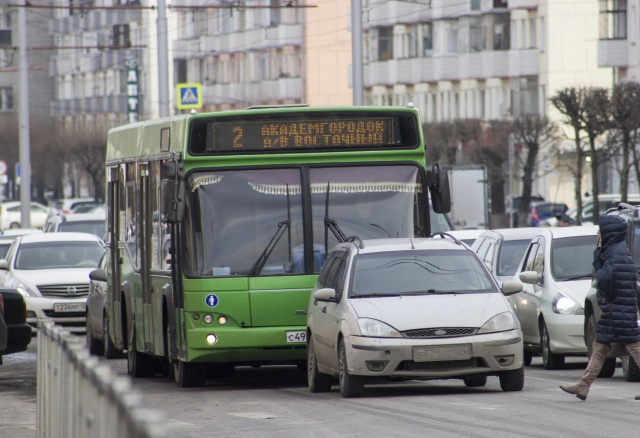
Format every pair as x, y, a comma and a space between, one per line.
13, 314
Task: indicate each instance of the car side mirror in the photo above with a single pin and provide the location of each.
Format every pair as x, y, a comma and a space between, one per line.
4, 264
530, 277
98, 275
325, 294
511, 287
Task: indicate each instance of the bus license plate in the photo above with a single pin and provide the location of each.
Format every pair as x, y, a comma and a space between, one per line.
296, 336
69, 307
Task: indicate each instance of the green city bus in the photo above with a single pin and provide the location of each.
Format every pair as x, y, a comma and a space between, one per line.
218, 224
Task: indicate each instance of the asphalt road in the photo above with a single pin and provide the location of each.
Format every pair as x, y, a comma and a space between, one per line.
275, 402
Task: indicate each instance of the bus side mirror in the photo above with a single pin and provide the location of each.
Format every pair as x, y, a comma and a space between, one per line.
438, 182
172, 200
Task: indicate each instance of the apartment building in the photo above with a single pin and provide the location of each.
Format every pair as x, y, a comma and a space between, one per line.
618, 38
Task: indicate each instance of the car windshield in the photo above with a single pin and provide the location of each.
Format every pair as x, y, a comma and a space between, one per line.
56, 255
418, 272
511, 254
572, 257
96, 227
253, 219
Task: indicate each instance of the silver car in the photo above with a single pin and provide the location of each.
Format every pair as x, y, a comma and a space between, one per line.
410, 309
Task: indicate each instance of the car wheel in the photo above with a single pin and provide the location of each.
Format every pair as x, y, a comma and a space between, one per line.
189, 374
512, 380
110, 350
139, 364
475, 380
630, 369
96, 348
550, 360
317, 381
527, 357
609, 366
350, 385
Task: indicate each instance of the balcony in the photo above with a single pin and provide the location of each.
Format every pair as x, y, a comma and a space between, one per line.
97, 104
254, 39
253, 93
613, 53
523, 62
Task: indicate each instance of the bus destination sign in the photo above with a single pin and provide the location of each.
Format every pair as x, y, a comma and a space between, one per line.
303, 134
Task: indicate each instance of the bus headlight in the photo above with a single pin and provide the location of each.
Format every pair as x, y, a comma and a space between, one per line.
208, 319
222, 320
211, 339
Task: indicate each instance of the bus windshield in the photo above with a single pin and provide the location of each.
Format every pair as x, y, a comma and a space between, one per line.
250, 222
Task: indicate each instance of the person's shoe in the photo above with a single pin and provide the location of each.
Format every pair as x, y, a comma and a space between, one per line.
578, 390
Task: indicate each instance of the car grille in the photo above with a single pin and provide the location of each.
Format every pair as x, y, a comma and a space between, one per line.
64, 290
442, 332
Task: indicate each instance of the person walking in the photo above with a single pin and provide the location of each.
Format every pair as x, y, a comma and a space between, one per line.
616, 275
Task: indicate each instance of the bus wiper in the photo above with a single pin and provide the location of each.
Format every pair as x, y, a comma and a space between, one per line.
259, 264
331, 224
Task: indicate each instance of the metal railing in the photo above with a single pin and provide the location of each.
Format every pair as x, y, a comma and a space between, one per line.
79, 397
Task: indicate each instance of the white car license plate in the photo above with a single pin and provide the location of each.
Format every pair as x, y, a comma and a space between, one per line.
69, 307
296, 336
441, 353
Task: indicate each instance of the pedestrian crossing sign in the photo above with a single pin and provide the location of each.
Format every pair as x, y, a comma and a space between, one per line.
189, 96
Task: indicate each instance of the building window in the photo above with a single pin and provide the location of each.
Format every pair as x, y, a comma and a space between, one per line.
6, 99
180, 70
475, 34
613, 19
275, 13
475, 5
427, 39
501, 32
385, 43
121, 35
500, 3
451, 32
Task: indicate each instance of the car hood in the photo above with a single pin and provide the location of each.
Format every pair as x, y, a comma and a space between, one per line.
53, 276
576, 290
426, 311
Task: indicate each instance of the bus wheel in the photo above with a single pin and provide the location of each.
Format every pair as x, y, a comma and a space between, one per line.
189, 374
139, 364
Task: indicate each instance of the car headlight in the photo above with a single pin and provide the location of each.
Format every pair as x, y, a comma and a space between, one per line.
566, 306
377, 329
502, 322
24, 290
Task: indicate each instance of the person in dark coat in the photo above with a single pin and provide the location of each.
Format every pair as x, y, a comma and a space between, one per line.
616, 275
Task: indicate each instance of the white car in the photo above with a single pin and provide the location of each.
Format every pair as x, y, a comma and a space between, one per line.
51, 270
410, 309
94, 223
556, 272
11, 216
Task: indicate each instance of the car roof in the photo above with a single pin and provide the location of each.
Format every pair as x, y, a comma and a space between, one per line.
402, 244
73, 217
580, 230
466, 234
512, 233
12, 233
59, 237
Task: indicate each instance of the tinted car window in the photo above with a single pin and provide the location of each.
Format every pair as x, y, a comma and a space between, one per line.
531, 256
510, 256
572, 257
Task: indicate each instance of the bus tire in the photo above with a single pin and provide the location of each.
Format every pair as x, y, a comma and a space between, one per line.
139, 364
110, 350
189, 374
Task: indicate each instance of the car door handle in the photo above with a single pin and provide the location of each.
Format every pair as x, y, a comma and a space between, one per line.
324, 309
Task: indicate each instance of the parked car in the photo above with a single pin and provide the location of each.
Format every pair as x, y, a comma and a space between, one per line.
502, 250
51, 270
410, 309
467, 236
544, 210
11, 216
556, 272
592, 311
517, 200
98, 340
13, 316
67, 204
605, 202
94, 223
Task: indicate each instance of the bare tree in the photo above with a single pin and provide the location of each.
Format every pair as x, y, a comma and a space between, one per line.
441, 143
625, 113
570, 102
534, 133
89, 148
492, 152
596, 120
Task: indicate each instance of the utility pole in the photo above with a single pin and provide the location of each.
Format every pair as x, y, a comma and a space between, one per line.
23, 122
511, 165
356, 49
163, 65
